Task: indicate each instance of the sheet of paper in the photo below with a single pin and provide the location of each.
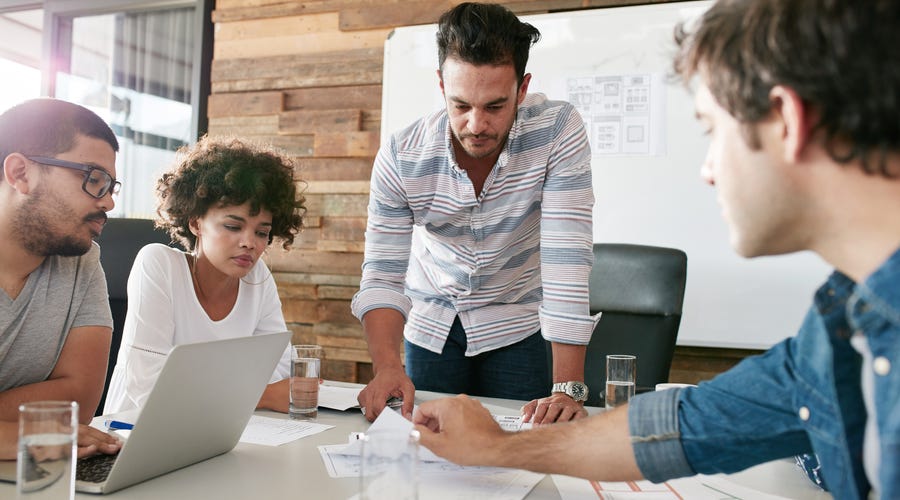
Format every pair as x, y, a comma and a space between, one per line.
697, 487
465, 483
444, 480
338, 398
512, 423
389, 420
438, 478
278, 431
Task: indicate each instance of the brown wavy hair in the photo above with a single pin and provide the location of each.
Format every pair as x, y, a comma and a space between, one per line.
229, 171
839, 56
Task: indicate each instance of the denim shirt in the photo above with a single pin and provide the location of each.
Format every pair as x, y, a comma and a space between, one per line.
803, 395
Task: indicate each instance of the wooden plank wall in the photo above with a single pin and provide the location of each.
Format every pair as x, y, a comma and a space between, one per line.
306, 76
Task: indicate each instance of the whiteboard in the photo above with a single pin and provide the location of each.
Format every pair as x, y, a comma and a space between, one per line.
651, 195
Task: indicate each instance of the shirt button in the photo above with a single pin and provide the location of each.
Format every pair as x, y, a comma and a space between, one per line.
804, 413
881, 365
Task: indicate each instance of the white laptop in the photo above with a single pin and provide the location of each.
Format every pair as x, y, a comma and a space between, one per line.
197, 409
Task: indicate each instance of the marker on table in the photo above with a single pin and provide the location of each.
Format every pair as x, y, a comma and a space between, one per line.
117, 425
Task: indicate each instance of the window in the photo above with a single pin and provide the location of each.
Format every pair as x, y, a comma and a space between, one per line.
20, 56
142, 65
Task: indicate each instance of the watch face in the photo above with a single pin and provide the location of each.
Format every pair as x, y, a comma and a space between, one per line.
579, 392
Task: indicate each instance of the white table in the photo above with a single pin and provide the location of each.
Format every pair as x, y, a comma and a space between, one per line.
295, 470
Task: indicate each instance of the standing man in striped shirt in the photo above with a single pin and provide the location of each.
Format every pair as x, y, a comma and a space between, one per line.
478, 246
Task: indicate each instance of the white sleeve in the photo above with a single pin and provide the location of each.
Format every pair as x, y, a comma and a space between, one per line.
149, 332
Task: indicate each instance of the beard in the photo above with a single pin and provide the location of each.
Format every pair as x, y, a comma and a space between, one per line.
482, 153
37, 226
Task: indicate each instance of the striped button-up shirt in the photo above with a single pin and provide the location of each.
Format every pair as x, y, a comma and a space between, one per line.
508, 262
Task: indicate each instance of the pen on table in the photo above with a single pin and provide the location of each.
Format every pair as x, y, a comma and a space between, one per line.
116, 424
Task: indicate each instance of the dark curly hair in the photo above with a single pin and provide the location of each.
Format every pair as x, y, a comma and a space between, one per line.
840, 56
229, 171
485, 33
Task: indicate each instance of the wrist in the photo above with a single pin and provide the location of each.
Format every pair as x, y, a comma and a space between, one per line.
575, 389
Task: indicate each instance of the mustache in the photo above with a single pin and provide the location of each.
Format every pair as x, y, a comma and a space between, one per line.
478, 136
100, 216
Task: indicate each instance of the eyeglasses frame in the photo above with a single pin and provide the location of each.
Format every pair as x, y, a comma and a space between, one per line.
112, 185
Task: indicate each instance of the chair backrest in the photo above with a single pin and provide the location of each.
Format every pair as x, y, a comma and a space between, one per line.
640, 290
120, 242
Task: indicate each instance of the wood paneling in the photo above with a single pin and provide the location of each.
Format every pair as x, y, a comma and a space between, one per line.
330, 68
691, 365
336, 169
318, 121
357, 96
245, 104
306, 77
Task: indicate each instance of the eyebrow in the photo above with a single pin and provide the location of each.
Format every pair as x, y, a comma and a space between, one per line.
241, 219
499, 100
88, 164
84, 163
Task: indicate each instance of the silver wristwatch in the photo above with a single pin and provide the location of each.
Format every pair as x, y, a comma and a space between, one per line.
574, 389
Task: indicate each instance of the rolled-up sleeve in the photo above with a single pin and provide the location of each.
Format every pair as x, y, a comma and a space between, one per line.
567, 235
388, 241
655, 438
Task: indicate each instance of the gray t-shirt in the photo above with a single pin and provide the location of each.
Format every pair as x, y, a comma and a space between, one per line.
63, 293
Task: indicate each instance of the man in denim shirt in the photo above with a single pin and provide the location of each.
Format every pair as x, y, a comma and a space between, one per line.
802, 104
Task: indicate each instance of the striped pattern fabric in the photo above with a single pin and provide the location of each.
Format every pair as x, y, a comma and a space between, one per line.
509, 262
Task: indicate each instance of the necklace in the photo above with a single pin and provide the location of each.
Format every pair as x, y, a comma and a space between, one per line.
192, 264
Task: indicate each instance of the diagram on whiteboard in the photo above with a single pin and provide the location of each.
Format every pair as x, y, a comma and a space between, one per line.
623, 114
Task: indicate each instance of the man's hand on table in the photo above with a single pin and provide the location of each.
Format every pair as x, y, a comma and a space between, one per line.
454, 428
388, 382
558, 407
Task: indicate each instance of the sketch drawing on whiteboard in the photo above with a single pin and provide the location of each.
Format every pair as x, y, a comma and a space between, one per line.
623, 114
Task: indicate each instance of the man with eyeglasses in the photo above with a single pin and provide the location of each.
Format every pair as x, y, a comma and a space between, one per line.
56, 186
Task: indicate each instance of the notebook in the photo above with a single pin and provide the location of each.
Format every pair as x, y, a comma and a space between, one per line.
198, 408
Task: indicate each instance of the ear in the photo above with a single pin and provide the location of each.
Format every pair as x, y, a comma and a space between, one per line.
795, 120
440, 81
523, 89
16, 172
194, 226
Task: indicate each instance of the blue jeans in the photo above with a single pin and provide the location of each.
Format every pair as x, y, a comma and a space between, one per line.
518, 371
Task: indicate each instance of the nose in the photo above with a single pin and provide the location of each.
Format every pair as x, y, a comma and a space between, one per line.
477, 121
248, 240
107, 203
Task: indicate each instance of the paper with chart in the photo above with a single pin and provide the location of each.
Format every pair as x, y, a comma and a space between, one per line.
696, 488
438, 478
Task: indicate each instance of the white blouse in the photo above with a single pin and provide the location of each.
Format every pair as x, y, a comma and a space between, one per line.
164, 311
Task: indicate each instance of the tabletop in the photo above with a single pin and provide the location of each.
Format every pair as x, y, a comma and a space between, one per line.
296, 469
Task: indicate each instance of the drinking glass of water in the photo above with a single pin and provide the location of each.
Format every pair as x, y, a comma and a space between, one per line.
389, 465
621, 370
306, 369
48, 435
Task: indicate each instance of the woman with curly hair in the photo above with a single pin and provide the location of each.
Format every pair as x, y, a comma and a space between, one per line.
224, 201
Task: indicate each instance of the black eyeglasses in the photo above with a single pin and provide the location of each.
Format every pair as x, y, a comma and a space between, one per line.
97, 182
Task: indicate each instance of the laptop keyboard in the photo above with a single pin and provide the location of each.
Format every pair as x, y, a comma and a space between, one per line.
94, 469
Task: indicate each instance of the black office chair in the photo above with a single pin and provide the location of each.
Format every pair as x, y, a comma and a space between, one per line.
640, 290
119, 244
